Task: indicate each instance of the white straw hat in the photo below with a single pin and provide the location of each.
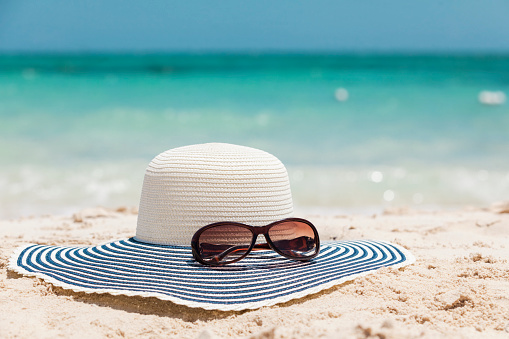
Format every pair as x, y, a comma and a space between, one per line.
189, 187
185, 189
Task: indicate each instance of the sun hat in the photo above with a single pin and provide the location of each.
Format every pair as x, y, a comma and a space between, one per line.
185, 189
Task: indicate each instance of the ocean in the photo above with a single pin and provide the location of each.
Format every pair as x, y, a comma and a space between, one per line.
407, 131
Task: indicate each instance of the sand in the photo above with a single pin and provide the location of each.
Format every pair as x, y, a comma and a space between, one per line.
458, 287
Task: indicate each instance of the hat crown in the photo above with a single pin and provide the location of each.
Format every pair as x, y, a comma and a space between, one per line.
189, 187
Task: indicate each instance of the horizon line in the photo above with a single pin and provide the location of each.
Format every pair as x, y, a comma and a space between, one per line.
267, 52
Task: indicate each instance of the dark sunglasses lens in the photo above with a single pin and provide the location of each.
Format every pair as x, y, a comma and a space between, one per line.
294, 238
224, 243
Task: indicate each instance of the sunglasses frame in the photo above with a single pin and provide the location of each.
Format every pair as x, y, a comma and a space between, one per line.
255, 230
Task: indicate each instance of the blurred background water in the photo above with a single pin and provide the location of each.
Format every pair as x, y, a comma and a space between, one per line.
78, 130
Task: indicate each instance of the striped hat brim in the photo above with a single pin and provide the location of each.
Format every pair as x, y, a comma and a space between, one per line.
263, 278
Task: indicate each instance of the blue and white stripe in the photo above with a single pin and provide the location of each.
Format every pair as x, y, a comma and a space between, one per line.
263, 278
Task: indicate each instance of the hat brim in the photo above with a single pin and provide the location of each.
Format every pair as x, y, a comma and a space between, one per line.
263, 278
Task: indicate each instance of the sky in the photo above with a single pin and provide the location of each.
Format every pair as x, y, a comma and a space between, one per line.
36, 26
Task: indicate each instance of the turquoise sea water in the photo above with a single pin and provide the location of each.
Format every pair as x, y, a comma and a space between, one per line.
78, 131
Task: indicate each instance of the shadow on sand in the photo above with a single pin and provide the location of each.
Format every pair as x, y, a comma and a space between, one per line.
154, 306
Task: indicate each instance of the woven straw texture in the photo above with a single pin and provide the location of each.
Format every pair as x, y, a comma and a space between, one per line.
189, 187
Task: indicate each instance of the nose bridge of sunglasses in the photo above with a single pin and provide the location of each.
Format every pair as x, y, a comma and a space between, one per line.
257, 230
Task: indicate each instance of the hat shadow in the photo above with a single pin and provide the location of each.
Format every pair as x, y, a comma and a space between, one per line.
155, 306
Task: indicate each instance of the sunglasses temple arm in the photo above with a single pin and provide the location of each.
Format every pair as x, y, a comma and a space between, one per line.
264, 246
223, 254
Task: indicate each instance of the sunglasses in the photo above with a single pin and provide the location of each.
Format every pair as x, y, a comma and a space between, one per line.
227, 242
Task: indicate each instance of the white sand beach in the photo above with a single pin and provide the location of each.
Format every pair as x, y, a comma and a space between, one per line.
456, 289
